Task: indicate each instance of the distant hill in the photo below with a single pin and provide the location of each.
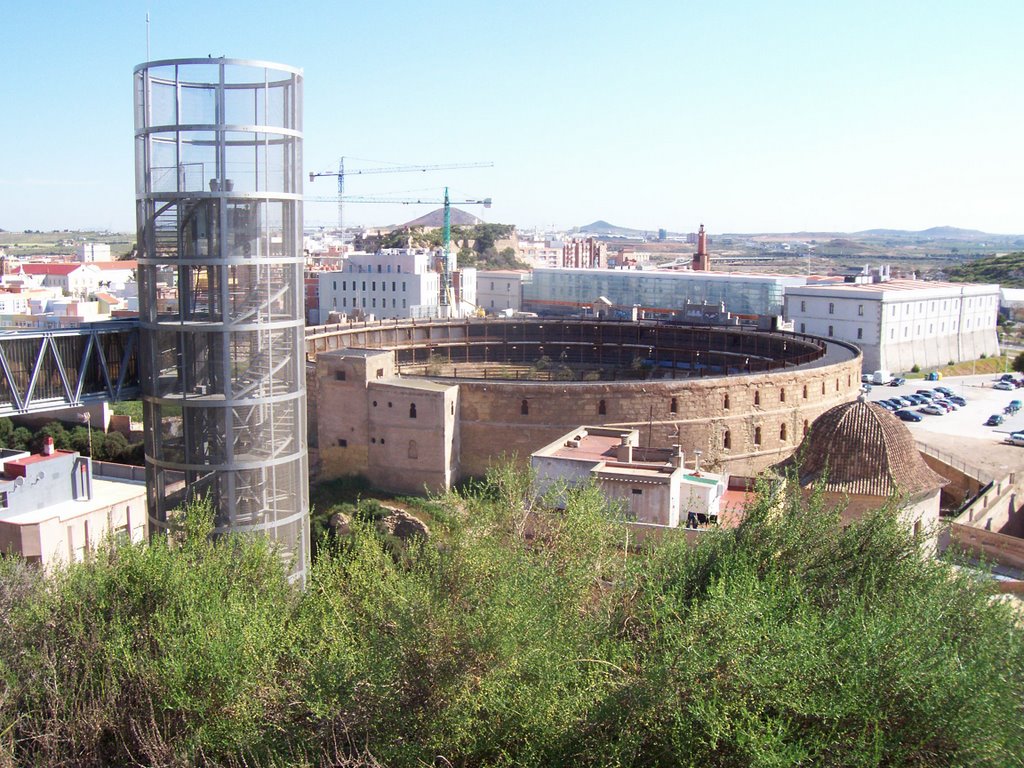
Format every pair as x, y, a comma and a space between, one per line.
459, 218
601, 227
1007, 271
934, 233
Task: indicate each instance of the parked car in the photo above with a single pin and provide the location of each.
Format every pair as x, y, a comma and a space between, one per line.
945, 404
1017, 438
926, 393
885, 404
995, 420
933, 409
899, 381
1004, 385
1007, 377
916, 399
865, 378
945, 390
906, 415
1016, 405
956, 399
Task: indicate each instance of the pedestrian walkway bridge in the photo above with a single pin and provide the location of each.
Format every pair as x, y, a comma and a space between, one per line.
48, 370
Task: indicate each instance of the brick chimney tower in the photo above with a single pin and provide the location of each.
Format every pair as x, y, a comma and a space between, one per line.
701, 260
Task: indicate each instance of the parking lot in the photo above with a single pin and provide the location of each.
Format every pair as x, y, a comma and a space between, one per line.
962, 433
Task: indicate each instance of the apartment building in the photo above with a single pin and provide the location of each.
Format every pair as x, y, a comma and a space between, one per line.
901, 323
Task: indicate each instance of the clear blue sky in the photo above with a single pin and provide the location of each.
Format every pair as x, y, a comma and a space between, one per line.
779, 115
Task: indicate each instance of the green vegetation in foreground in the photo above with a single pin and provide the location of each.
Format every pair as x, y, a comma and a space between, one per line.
789, 641
1006, 270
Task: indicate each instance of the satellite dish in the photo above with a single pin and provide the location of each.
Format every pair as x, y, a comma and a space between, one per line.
19, 481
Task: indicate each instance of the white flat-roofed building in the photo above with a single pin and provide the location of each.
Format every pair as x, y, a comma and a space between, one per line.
93, 252
901, 323
497, 290
651, 486
52, 509
393, 283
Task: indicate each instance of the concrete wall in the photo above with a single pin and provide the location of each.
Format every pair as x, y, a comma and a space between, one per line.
991, 546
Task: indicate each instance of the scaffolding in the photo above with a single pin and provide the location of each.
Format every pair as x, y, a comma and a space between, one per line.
218, 146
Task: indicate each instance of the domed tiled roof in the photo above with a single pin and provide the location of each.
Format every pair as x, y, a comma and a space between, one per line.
861, 448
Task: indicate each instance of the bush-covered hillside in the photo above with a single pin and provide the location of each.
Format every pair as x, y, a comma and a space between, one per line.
1007, 271
789, 641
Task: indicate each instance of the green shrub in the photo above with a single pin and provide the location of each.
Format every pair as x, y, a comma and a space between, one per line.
915, 368
787, 641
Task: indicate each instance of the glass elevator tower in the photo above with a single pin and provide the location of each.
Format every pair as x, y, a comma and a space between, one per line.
218, 189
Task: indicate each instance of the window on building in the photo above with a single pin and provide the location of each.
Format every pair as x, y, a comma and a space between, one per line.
3, 500
803, 306
364, 285
823, 387
757, 435
831, 308
602, 409
860, 310
727, 440
757, 397
673, 406
403, 285
342, 442
339, 375
830, 331
412, 410
335, 284
805, 391
373, 286
803, 328
414, 452
380, 375
782, 432
524, 408
860, 333
373, 303
892, 333
782, 395
725, 401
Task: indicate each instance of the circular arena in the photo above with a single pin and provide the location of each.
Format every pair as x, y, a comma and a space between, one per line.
743, 397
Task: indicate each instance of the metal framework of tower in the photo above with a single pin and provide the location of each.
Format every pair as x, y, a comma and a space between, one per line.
218, 148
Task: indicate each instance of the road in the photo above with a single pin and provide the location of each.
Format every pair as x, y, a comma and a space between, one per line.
962, 433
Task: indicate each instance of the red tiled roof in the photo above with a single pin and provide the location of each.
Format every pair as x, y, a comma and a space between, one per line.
49, 269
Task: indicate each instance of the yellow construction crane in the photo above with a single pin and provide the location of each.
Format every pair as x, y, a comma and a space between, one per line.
341, 173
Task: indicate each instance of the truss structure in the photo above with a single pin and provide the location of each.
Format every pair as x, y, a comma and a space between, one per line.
46, 370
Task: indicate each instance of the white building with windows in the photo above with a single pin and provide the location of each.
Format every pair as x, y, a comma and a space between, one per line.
901, 323
498, 290
393, 283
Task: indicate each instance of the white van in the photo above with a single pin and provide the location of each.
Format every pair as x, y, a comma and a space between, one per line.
881, 377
